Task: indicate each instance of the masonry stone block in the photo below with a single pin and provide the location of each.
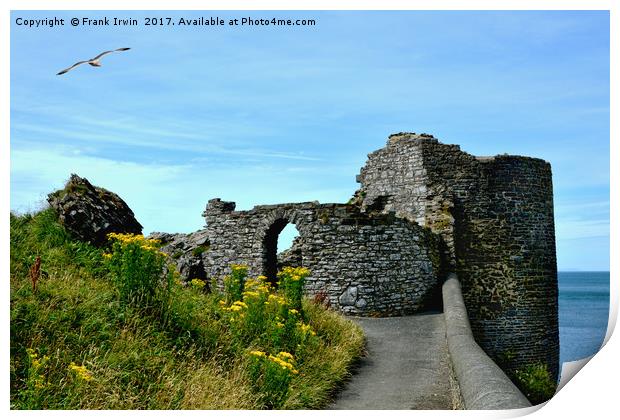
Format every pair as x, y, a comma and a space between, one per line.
348, 297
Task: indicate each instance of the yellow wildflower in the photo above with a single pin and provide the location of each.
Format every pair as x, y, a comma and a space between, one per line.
256, 286
284, 360
237, 306
129, 238
282, 363
305, 328
239, 269
35, 360
81, 372
295, 273
198, 283
277, 299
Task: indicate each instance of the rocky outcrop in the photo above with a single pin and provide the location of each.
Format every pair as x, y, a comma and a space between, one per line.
89, 213
291, 257
186, 252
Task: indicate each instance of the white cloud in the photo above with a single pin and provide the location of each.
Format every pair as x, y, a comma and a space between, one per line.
161, 134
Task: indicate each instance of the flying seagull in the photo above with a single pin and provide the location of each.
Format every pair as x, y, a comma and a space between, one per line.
93, 61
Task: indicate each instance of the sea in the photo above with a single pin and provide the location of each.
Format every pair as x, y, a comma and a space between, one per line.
583, 312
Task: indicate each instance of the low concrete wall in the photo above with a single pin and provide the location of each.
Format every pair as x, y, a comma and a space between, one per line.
483, 385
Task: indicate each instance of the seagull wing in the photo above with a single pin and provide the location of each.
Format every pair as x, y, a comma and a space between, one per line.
69, 68
108, 52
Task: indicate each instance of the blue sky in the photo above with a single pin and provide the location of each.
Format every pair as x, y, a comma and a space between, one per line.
262, 115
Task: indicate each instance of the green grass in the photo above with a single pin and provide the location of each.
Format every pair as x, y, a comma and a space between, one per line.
536, 383
139, 359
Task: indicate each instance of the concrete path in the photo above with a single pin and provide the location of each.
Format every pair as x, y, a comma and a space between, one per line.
407, 366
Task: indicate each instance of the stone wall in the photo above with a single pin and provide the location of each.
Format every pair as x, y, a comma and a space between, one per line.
482, 384
495, 219
367, 264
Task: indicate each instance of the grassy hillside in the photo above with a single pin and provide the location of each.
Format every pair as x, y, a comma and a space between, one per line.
87, 332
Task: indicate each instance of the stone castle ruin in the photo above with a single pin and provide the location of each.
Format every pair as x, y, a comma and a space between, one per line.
424, 209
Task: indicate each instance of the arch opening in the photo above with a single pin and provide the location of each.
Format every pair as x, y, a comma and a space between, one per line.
279, 241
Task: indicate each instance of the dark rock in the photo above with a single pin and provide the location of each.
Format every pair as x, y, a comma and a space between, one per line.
186, 252
89, 213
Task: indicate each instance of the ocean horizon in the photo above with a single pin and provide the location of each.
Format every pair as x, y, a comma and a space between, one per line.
583, 312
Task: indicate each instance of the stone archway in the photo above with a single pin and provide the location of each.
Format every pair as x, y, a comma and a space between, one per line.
271, 227
270, 249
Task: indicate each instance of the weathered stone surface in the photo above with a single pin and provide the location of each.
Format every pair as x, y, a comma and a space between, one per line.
495, 218
349, 297
342, 247
186, 251
483, 385
89, 213
291, 257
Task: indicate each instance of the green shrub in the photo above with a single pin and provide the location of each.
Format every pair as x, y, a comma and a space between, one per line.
42, 235
199, 250
291, 282
137, 267
271, 376
234, 283
272, 319
198, 284
32, 397
536, 383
